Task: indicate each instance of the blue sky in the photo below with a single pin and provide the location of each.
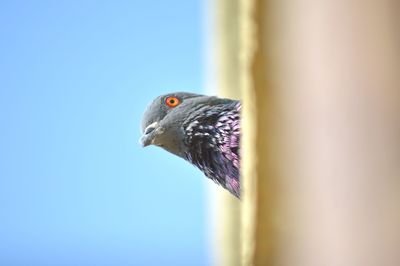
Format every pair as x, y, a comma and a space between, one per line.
75, 186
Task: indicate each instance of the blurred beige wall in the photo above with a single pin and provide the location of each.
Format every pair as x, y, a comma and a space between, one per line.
320, 84
321, 132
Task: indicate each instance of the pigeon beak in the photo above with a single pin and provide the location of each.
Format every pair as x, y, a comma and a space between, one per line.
149, 134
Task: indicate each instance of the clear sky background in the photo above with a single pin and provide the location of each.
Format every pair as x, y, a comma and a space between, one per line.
75, 186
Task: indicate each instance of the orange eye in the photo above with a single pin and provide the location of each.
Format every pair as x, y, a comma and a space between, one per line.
172, 101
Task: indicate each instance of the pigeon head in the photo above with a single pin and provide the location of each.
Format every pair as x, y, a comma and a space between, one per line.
203, 130
162, 121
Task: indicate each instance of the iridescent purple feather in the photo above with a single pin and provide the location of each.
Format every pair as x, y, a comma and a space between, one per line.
212, 139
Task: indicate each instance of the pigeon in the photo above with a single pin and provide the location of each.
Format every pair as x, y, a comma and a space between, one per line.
203, 130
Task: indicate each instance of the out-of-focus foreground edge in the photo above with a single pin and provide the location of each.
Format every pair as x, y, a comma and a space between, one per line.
223, 79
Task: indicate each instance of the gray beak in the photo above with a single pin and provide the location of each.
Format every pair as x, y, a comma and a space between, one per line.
149, 134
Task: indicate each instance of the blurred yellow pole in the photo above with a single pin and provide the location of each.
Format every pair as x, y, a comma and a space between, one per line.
259, 232
226, 66
321, 132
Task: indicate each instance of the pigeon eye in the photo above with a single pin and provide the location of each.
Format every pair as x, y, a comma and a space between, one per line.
172, 101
